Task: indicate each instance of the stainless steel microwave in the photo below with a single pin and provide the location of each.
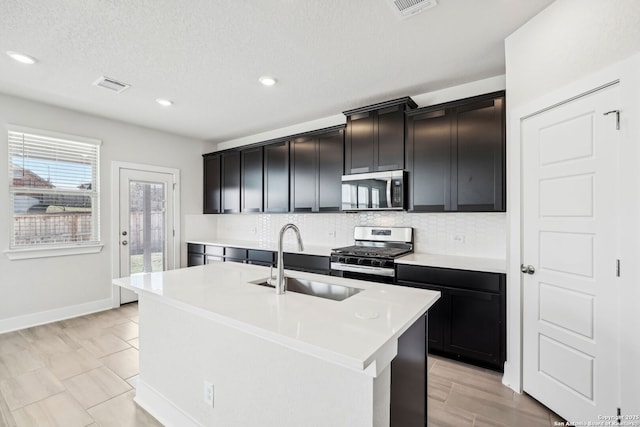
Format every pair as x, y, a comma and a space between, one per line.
374, 191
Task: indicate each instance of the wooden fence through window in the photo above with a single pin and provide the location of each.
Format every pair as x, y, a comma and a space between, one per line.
70, 227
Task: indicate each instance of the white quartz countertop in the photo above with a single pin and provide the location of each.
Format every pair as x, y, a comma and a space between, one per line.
358, 332
490, 265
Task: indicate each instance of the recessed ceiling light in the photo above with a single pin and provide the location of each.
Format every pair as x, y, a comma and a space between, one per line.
164, 102
21, 57
268, 80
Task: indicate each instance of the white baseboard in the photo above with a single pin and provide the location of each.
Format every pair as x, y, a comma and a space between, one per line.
42, 317
511, 378
162, 409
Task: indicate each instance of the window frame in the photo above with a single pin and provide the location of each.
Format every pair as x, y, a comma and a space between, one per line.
55, 249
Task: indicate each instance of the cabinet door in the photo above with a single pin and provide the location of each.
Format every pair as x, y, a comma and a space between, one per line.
231, 182
276, 177
408, 406
429, 161
438, 316
195, 254
389, 150
304, 172
359, 145
235, 255
251, 180
475, 328
330, 165
261, 257
310, 263
212, 202
478, 157
195, 259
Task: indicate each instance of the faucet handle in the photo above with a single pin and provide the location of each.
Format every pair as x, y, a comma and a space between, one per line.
270, 279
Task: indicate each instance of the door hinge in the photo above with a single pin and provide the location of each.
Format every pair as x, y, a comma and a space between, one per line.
174, 233
174, 186
617, 268
619, 415
617, 117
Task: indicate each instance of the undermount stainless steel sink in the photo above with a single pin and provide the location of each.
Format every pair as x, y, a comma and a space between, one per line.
312, 287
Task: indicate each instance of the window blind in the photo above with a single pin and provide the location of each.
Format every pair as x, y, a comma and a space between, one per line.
54, 189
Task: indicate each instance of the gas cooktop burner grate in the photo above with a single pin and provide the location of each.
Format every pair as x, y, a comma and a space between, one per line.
371, 251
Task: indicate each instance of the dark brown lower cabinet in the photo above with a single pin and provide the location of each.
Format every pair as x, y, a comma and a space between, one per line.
409, 377
309, 263
235, 255
468, 323
200, 254
195, 254
261, 257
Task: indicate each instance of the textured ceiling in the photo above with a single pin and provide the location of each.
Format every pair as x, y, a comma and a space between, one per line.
207, 55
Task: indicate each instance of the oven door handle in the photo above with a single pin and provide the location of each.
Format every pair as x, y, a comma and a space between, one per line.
378, 271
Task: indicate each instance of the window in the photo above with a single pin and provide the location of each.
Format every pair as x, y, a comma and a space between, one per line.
53, 190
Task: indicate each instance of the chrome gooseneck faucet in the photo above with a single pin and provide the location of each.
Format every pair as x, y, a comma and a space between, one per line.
280, 283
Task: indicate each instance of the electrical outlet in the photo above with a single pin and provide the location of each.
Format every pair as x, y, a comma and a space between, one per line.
208, 393
458, 238
332, 234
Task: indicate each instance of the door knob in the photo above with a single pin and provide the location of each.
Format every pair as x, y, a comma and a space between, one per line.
124, 242
528, 269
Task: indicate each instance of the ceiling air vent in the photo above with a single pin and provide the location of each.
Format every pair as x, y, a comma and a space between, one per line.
111, 84
407, 8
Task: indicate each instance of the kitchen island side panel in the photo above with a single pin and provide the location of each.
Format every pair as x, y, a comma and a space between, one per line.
255, 381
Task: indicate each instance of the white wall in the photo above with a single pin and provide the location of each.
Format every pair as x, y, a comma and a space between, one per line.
561, 51
567, 40
46, 289
466, 90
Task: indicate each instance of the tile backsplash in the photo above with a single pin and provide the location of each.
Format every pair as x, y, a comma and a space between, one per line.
465, 234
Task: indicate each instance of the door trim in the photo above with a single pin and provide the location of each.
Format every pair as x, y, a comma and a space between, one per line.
114, 239
626, 72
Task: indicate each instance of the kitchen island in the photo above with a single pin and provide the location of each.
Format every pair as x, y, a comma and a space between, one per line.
271, 360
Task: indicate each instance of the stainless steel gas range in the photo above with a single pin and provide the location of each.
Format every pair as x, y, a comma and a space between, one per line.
371, 257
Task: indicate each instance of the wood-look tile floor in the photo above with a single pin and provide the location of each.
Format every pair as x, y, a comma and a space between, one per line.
75, 372
79, 372
464, 395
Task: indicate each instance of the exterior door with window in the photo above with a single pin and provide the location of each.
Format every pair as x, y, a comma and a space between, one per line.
146, 220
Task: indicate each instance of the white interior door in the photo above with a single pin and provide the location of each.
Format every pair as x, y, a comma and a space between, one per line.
570, 200
146, 224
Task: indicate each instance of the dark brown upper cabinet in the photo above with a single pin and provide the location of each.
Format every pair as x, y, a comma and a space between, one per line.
230, 164
276, 177
455, 155
375, 135
212, 179
251, 179
316, 168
